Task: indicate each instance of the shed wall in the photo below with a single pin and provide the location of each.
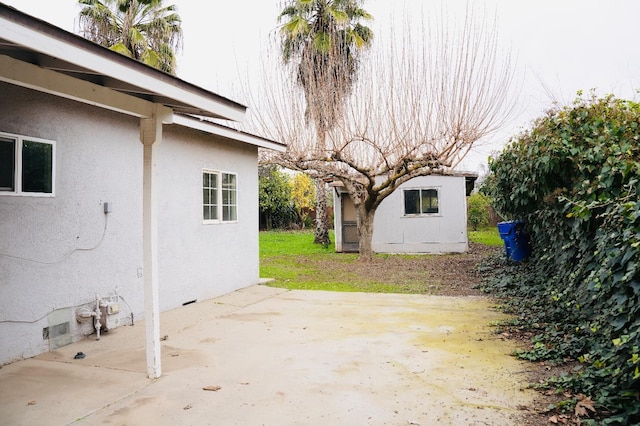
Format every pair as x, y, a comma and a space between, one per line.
395, 232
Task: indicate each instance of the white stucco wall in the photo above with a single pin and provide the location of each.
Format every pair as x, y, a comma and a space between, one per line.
444, 232
199, 261
56, 253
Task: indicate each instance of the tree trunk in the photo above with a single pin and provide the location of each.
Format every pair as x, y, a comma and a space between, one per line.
365, 233
322, 221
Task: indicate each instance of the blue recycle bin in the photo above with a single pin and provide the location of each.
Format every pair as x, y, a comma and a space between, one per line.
516, 240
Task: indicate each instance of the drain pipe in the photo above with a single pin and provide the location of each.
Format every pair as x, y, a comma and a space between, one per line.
97, 314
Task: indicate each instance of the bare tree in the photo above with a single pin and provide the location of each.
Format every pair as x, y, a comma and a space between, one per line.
417, 108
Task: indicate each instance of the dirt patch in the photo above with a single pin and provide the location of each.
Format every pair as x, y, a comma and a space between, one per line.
438, 275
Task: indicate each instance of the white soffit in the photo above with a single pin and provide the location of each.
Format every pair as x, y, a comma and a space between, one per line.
33, 77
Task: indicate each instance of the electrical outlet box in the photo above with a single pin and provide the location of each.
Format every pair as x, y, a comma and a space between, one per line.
107, 207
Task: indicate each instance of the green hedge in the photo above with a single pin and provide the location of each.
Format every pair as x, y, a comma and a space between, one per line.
575, 179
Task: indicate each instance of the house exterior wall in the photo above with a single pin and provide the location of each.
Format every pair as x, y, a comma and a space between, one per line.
198, 261
444, 232
57, 253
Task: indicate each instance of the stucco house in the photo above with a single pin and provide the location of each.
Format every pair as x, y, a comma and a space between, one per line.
427, 214
120, 197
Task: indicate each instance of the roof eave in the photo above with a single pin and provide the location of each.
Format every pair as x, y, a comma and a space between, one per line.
227, 132
39, 36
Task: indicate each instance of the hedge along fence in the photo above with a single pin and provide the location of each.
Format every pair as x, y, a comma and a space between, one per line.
575, 179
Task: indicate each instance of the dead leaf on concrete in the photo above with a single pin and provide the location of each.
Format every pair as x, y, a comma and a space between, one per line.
31, 403
212, 388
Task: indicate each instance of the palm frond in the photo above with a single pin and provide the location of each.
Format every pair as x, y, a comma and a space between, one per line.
121, 49
137, 28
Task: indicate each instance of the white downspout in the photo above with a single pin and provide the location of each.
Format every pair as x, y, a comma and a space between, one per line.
97, 316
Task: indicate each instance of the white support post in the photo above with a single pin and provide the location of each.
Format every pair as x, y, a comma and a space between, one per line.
150, 136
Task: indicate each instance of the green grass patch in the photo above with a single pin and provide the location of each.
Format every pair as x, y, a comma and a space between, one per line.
295, 262
488, 236
275, 243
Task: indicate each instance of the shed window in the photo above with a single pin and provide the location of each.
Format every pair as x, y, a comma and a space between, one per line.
219, 197
420, 201
26, 165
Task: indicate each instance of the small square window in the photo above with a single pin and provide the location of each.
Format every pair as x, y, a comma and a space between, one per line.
421, 202
219, 197
27, 165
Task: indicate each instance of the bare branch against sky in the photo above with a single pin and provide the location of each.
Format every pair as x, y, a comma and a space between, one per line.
560, 46
421, 101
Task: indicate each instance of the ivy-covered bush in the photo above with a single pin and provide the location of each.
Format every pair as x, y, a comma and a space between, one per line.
575, 179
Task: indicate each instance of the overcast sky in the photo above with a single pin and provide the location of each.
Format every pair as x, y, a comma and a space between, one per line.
561, 46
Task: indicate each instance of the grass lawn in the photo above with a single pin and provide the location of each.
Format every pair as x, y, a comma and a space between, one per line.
291, 258
488, 236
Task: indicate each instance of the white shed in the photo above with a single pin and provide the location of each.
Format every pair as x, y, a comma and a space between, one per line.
427, 214
117, 188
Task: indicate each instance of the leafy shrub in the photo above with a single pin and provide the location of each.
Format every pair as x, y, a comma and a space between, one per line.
303, 195
477, 210
575, 178
274, 198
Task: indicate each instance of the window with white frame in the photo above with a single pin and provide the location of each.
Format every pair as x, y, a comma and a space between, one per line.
219, 197
420, 201
27, 166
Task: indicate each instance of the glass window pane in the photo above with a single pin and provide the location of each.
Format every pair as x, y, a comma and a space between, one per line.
228, 181
210, 195
429, 201
229, 196
411, 201
209, 213
37, 167
229, 213
7, 164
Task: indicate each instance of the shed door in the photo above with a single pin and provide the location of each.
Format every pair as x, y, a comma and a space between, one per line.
349, 225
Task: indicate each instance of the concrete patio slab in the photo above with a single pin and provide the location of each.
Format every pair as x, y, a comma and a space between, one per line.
267, 356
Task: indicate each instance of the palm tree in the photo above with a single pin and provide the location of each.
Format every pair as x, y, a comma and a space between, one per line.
141, 29
324, 39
